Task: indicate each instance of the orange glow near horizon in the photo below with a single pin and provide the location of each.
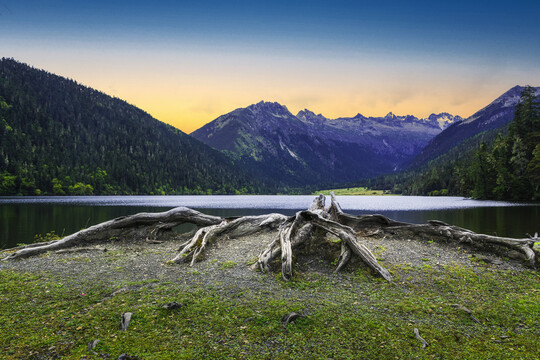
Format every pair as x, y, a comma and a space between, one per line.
190, 110
187, 63
190, 91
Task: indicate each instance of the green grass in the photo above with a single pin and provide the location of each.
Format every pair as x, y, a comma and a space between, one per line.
350, 191
360, 317
227, 265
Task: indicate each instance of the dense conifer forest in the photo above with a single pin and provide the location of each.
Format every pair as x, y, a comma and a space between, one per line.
60, 138
501, 164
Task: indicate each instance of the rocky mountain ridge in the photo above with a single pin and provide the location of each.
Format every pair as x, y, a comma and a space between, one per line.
496, 115
309, 149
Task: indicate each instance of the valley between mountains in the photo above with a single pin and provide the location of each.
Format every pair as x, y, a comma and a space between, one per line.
309, 149
58, 137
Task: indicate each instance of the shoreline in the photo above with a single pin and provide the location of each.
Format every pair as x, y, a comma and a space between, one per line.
346, 314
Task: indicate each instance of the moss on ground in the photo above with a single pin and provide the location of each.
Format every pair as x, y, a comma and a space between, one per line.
358, 317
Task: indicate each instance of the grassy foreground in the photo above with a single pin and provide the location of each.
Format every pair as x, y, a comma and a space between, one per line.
357, 318
351, 191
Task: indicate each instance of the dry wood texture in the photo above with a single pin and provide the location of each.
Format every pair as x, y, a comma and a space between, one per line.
291, 232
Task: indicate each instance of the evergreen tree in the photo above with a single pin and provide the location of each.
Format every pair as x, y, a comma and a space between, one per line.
533, 172
484, 174
58, 137
491, 165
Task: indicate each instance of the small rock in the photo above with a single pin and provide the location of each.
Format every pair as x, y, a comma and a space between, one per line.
128, 357
172, 305
126, 318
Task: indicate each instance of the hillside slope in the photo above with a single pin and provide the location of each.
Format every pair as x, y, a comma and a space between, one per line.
58, 137
496, 115
500, 163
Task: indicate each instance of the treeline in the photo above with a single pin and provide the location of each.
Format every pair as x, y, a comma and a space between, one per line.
60, 138
500, 164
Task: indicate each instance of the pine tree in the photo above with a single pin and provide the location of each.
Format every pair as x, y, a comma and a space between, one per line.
484, 173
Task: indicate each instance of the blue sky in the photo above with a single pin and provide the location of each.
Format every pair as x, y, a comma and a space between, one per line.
187, 62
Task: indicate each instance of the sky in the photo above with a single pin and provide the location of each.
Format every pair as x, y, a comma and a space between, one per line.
188, 62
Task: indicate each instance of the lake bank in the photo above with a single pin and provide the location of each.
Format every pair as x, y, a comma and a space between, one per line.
22, 218
229, 311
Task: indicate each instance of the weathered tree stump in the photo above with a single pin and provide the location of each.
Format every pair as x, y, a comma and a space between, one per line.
291, 232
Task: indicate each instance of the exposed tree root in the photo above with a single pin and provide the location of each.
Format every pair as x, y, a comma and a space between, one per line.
242, 226
301, 228
439, 231
305, 227
379, 225
151, 223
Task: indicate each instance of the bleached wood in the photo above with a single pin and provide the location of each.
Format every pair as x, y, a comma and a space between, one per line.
243, 226
106, 230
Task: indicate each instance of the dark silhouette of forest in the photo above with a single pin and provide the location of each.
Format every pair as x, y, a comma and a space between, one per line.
60, 138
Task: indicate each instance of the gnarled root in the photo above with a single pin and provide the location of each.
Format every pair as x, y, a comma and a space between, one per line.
152, 223
439, 231
302, 228
299, 228
242, 226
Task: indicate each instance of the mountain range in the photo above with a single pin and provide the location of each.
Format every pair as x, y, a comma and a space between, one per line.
59, 137
494, 116
309, 149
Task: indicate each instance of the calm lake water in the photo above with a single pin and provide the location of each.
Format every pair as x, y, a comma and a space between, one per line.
21, 218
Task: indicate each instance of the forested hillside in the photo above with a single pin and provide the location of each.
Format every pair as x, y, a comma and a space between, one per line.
502, 163
58, 137
495, 115
440, 176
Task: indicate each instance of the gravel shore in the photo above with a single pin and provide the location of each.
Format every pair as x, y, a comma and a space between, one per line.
225, 264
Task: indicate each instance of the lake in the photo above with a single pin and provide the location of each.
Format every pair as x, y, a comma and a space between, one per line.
21, 218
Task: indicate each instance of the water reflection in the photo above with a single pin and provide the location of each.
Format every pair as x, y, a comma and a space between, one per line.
22, 218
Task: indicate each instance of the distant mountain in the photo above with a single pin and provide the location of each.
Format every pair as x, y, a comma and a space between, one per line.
310, 149
494, 116
500, 160
58, 137
273, 143
397, 138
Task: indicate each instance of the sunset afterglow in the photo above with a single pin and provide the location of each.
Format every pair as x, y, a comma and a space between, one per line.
188, 62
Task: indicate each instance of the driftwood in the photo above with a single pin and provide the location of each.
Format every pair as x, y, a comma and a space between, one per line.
292, 233
299, 228
467, 311
425, 344
442, 232
289, 318
153, 223
242, 226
